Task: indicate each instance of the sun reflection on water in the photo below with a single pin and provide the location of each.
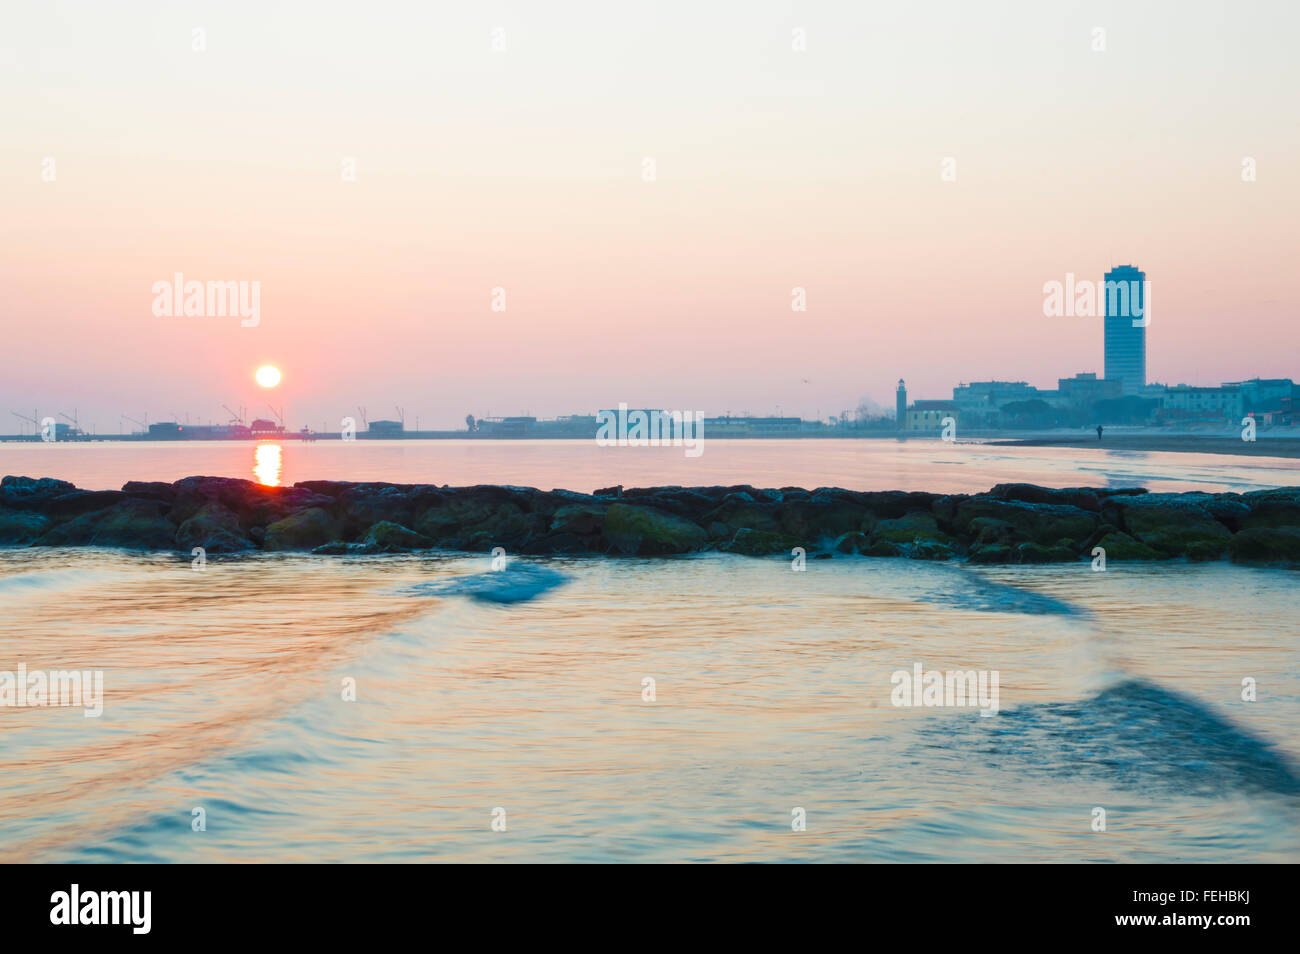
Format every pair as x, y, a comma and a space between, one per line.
268, 464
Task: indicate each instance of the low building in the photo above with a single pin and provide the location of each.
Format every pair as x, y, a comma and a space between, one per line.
1272, 396
1186, 404
385, 428
981, 402
742, 426
928, 416
1085, 389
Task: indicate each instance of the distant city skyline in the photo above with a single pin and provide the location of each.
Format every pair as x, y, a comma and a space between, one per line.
915, 174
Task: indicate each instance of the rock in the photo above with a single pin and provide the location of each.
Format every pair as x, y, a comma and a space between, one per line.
579, 519
883, 548
853, 542
1013, 522
1202, 550
889, 504
991, 553
1021, 522
254, 504
21, 526
387, 537
1120, 546
1170, 523
301, 531
150, 490
474, 519
16, 489
823, 516
1037, 553
136, 524
911, 528
1083, 498
131, 524
338, 548
1271, 508
77, 502
759, 543
928, 550
224, 541
1266, 545
645, 531
210, 520
741, 511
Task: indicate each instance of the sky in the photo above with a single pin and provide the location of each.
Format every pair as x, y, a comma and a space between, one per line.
505, 146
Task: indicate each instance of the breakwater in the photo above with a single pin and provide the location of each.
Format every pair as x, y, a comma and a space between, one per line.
1011, 523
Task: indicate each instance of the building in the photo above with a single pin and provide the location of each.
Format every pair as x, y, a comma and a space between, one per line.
1085, 389
729, 425
981, 402
900, 404
927, 416
1261, 396
1186, 404
263, 428
1124, 304
517, 426
385, 428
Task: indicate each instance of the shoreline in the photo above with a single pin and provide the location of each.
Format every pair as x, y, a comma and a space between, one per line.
1280, 447
1012, 523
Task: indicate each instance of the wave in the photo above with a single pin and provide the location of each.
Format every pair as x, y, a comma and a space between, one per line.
966, 589
1134, 735
516, 583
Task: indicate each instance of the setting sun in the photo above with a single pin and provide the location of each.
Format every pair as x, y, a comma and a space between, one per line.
268, 376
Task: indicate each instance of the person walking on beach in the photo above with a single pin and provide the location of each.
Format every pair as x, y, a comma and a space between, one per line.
1098, 432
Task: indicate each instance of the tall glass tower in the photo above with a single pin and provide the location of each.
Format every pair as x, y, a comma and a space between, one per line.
1124, 303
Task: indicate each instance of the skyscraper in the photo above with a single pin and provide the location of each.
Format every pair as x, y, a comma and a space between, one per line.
1124, 303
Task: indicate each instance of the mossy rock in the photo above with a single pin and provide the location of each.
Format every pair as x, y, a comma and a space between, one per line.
760, 543
644, 530
210, 519
387, 536
21, 526
1266, 545
910, 528
1009, 521
883, 548
1204, 550
130, 524
853, 542
991, 553
929, 550
1171, 523
1122, 547
1038, 553
303, 530
579, 519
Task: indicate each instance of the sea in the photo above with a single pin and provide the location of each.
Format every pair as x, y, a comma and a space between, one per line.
446, 706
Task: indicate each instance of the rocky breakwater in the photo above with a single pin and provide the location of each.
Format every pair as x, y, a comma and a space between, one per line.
1012, 523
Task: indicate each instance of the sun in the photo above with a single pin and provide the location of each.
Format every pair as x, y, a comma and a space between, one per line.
268, 375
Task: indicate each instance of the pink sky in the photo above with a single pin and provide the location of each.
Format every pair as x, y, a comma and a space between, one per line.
522, 169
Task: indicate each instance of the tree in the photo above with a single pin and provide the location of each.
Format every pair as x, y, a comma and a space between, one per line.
470, 423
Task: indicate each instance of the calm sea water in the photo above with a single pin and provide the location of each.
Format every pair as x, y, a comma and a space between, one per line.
886, 464
223, 688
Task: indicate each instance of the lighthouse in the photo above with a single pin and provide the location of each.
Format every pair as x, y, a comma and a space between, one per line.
900, 403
